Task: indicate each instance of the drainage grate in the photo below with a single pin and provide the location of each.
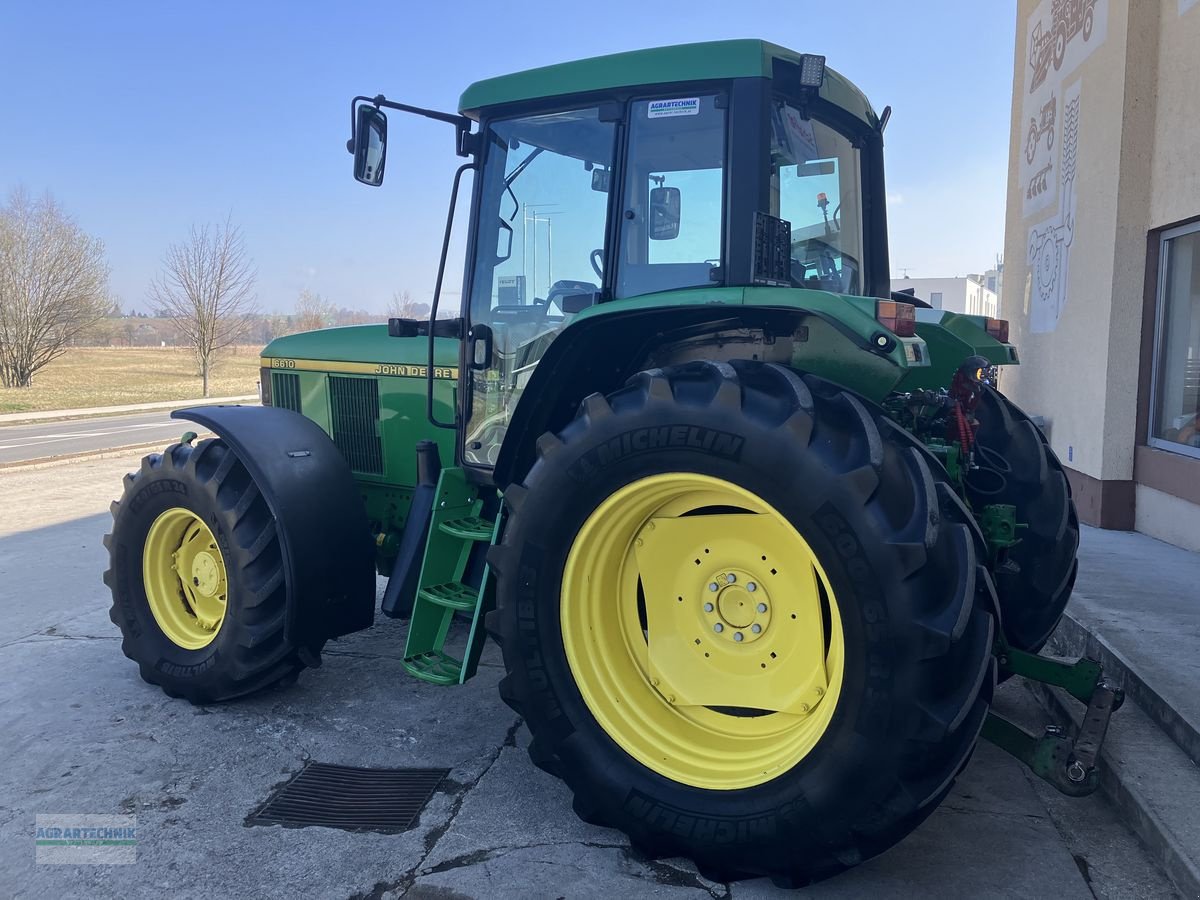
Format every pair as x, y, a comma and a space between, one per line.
350, 798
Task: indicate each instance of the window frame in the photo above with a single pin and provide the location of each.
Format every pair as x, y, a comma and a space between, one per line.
1164, 264
722, 92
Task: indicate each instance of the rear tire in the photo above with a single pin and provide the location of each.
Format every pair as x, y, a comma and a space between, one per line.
1017, 467
248, 650
901, 555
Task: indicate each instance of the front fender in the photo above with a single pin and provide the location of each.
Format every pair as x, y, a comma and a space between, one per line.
324, 536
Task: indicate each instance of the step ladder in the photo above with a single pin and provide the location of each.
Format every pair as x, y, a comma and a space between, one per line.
455, 528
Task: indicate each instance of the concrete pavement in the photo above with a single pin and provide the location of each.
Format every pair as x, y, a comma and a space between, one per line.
82, 734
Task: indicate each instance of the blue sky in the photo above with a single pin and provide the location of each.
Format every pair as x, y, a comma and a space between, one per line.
143, 118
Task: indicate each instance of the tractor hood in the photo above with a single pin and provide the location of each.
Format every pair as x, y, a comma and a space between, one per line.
357, 344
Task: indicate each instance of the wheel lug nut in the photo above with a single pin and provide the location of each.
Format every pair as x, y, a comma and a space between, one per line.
713, 586
751, 586
756, 628
730, 578
762, 607
708, 607
718, 628
738, 636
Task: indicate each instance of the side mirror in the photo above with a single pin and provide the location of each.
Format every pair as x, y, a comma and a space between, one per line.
664, 213
370, 145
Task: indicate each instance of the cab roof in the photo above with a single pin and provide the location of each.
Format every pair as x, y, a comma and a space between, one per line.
711, 60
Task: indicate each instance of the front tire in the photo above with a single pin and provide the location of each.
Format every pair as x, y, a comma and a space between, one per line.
898, 620
197, 578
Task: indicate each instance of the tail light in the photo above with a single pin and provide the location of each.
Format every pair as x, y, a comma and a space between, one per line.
899, 318
997, 328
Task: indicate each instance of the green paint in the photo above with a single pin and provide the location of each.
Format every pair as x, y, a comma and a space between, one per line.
1079, 679
1066, 763
836, 341
951, 338
998, 521
950, 456
710, 61
454, 529
362, 343
387, 496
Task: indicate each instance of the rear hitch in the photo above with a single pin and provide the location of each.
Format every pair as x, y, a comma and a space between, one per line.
1070, 764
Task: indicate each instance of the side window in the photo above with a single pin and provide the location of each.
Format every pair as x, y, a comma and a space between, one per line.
814, 186
674, 195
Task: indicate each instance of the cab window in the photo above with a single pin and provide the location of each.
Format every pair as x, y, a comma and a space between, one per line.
673, 204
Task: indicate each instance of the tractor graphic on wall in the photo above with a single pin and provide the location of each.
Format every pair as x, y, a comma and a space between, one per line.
1037, 128
1068, 18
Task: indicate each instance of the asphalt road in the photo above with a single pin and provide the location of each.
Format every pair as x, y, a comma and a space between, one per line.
38, 440
82, 734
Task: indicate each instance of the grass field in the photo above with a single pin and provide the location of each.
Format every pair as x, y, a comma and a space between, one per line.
111, 376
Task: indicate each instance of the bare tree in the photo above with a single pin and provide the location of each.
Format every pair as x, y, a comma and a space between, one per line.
206, 288
53, 285
403, 306
312, 312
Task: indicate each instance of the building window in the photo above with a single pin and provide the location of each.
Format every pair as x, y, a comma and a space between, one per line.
935, 299
1175, 402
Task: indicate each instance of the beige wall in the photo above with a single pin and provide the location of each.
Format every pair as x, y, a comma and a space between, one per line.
1137, 169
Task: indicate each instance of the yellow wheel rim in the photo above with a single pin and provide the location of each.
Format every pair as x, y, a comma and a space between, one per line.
184, 575
702, 631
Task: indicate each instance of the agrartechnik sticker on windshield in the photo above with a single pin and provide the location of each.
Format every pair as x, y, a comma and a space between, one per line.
685, 106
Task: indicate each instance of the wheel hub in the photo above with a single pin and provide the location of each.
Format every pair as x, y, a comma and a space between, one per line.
205, 575
722, 651
184, 576
742, 608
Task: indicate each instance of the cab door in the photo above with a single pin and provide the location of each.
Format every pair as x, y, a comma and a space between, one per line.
539, 255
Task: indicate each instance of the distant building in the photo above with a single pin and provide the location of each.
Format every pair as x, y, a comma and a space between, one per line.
971, 294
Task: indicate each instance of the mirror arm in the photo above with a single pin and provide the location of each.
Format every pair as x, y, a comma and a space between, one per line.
466, 143
437, 296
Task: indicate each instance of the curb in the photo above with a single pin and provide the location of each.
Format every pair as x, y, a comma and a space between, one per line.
1075, 639
49, 462
1123, 789
1146, 739
58, 415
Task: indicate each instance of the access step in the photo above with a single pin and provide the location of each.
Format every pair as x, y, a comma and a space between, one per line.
469, 528
452, 595
435, 667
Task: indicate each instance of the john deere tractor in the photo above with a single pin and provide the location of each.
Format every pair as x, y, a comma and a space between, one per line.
757, 536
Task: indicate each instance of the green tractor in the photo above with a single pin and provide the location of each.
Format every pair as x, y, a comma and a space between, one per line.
757, 537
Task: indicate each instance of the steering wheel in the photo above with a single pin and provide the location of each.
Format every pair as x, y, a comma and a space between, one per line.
597, 260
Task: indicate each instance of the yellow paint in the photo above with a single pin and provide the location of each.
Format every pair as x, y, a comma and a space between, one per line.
733, 612
396, 370
185, 579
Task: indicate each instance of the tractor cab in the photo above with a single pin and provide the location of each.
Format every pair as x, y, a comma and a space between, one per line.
755, 539
688, 169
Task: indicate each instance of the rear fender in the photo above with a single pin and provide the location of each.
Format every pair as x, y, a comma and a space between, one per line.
324, 535
598, 352
952, 338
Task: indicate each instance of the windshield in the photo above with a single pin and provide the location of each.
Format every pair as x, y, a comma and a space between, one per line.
539, 253
815, 181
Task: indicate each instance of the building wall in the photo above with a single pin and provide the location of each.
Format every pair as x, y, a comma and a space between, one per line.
953, 291
1103, 155
961, 295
